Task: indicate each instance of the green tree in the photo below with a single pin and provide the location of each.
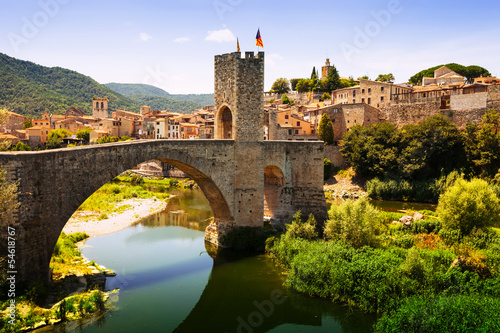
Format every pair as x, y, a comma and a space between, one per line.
54, 140
27, 123
430, 148
326, 96
325, 129
332, 80
286, 100
346, 83
364, 77
468, 205
281, 86
372, 150
293, 83
305, 85
84, 134
20, 147
355, 222
385, 78
299, 229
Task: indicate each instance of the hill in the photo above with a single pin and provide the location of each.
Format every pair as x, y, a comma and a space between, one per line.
165, 103
470, 72
132, 89
30, 89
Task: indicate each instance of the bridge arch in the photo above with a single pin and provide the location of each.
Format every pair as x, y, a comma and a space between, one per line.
277, 197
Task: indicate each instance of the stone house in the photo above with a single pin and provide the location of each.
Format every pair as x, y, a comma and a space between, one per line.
13, 122
443, 76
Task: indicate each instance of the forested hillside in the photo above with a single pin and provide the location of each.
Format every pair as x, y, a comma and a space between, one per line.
164, 103
132, 89
30, 89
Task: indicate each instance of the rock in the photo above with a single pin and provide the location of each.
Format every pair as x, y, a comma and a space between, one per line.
406, 220
417, 216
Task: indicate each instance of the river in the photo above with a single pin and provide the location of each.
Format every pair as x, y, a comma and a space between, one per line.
168, 283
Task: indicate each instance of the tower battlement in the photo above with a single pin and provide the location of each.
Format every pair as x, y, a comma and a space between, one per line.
239, 85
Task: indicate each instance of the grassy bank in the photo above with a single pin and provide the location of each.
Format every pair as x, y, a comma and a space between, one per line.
419, 278
40, 305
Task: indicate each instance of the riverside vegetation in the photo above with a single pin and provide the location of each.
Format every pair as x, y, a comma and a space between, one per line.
38, 304
441, 274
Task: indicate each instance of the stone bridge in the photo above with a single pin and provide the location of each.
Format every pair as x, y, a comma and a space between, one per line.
242, 176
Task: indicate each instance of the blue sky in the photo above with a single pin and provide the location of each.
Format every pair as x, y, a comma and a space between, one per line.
171, 44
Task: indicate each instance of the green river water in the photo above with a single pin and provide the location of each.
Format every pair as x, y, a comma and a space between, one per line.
168, 283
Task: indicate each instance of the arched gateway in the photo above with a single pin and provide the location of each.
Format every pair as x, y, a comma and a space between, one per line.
231, 173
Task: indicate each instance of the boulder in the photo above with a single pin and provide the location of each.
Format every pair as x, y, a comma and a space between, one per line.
406, 220
417, 216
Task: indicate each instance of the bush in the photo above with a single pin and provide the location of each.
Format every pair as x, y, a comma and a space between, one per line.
468, 205
299, 229
354, 222
443, 314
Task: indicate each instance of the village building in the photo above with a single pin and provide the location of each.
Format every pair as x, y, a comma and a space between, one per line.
13, 122
100, 107
443, 76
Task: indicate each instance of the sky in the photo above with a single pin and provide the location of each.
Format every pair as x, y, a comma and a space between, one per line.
172, 44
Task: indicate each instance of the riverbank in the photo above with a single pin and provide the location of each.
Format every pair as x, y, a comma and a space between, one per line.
133, 211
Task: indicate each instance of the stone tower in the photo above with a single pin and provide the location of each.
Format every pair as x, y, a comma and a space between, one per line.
239, 87
99, 107
326, 69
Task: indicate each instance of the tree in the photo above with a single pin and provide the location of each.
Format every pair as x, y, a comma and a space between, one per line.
325, 129
286, 100
332, 80
389, 78
299, 229
364, 77
304, 85
468, 205
54, 140
27, 123
293, 83
326, 96
355, 222
20, 147
281, 86
84, 134
346, 83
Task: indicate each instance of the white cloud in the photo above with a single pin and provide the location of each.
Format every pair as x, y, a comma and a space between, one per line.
273, 58
145, 37
220, 36
182, 40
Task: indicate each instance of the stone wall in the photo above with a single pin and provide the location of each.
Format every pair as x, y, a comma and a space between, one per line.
468, 101
333, 154
239, 85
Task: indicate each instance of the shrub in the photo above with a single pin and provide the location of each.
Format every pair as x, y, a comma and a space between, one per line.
299, 229
354, 222
443, 314
468, 205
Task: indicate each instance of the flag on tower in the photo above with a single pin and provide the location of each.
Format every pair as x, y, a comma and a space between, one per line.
238, 44
258, 39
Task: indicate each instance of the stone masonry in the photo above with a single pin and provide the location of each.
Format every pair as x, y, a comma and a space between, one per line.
242, 177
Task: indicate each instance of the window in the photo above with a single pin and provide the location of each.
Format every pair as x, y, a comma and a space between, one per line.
369, 90
381, 88
296, 132
348, 121
354, 93
289, 132
362, 91
335, 110
298, 123
382, 98
424, 95
158, 130
286, 116
362, 100
369, 100
333, 120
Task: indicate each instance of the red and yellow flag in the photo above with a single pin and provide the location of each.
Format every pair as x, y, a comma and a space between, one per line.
258, 39
238, 44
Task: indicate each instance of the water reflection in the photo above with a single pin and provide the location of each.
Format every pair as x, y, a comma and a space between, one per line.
169, 283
